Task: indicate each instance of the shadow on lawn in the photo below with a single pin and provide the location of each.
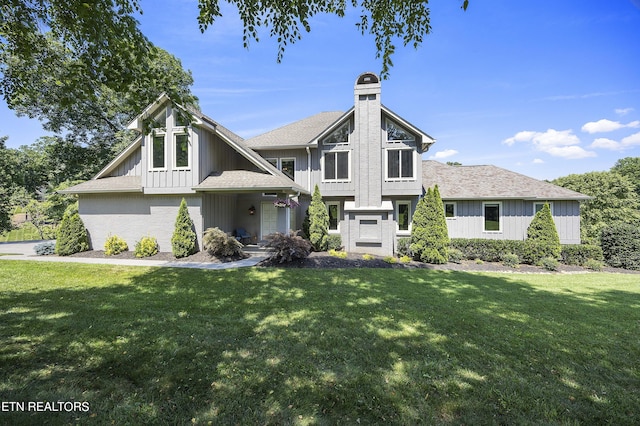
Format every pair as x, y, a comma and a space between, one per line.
322, 347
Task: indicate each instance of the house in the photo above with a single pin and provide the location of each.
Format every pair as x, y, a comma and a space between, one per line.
367, 163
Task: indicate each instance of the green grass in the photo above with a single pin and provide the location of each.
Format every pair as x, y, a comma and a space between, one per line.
276, 346
26, 232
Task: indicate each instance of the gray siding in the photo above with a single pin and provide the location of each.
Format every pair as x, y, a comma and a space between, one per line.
516, 215
130, 166
301, 175
133, 216
216, 155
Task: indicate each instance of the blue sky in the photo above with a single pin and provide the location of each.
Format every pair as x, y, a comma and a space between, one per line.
544, 88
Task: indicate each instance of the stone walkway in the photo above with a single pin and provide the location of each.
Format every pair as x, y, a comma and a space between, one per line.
24, 251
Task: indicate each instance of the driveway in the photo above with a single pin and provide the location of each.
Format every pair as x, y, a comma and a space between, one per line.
24, 248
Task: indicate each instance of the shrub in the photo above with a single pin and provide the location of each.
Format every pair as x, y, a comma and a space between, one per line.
487, 250
72, 235
287, 247
405, 259
338, 253
217, 243
390, 259
456, 256
429, 234
543, 230
183, 241
580, 254
592, 264
511, 260
334, 242
318, 222
550, 263
404, 247
45, 249
621, 245
115, 245
368, 256
146, 247
534, 251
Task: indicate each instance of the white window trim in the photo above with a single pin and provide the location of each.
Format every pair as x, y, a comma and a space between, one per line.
294, 166
403, 231
455, 209
175, 151
152, 135
500, 216
270, 160
386, 165
334, 203
393, 141
348, 124
535, 203
348, 179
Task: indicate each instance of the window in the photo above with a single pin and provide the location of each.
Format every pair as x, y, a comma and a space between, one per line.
396, 133
157, 152
449, 210
491, 216
336, 165
160, 120
538, 206
341, 135
403, 213
182, 151
333, 209
180, 118
399, 164
288, 167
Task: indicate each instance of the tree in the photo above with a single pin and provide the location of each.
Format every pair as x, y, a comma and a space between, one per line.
429, 234
183, 241
542, 229
72, 236
614, 200
318, 222
629, 167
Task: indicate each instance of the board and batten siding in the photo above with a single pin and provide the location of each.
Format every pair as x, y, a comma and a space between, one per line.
219, 210
216, 156
516, 215
133, 216
130, 166
301, 174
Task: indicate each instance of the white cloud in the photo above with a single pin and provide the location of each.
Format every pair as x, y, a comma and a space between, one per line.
443, 154
627, 142
623, 111
605, 125
558, 143
538, 161
631, 140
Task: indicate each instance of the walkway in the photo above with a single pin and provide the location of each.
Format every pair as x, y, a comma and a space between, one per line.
24, 251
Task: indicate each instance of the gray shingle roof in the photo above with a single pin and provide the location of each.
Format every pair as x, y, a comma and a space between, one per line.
490, 182
107, 184
298, 133
245, 180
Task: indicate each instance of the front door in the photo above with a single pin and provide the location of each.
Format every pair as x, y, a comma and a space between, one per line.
268, 219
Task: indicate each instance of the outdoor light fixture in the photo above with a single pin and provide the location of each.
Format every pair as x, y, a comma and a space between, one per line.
252, 211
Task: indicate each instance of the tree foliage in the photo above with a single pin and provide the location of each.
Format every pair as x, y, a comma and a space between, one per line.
629, 167
429, 233
72, 236
184, 240
614, 200
542, 229
318, 222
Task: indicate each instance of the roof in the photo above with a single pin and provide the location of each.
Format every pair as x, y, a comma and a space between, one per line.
299, 133
107, 184
490, 183
245, 180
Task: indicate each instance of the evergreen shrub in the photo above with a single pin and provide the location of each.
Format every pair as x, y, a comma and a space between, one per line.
542, 229
45, 249
217, 243
334, 242
183, 241
146, 247
579, 254
318, 222
72, 236
429, 234
115, 245
621, 245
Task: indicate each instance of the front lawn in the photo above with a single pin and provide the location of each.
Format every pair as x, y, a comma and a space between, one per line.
357, 346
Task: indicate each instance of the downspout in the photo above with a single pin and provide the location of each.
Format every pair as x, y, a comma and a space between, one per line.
308, 169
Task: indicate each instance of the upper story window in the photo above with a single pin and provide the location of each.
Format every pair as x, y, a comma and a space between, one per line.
158, 151
159, 121
181, 150
180, 118
339, 136
336, 166
285, 165
400, 164
396, 133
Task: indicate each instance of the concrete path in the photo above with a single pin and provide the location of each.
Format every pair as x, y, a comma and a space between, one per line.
24, 251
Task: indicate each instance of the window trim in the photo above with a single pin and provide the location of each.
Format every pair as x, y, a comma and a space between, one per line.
175, 151
394, 141
280, 160
400, 178
455, 209
152, 137
410, 218
542, 203
349, 130
337, 204
323, 168
500, 216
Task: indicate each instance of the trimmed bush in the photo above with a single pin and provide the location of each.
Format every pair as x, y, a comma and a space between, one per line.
405, 259
217, 243
46, 248
456, 256
511, 260
429, 234
534, 251
115, 245
183, 241
621, 245
542, 229
337, 253
146, 247
550, 263
580, 254
72, 235
318, 222
334, 242
594, 265
487, 250
287, 247
404, 247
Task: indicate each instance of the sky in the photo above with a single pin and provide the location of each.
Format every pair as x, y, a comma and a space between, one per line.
545, 88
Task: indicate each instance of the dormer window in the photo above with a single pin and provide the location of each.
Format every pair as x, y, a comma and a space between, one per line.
339, 136
396, 133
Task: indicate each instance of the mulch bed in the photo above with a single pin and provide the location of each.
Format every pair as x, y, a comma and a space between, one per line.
317, 260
